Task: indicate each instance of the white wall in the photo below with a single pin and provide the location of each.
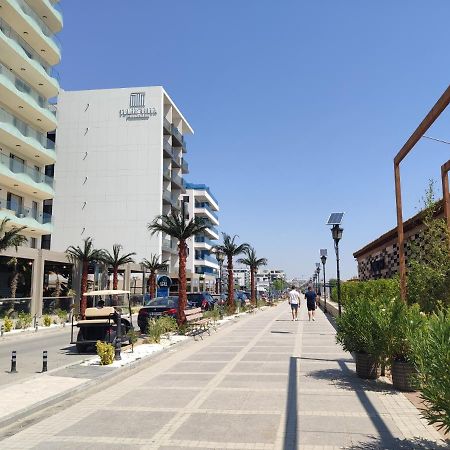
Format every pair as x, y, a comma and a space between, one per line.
109, 171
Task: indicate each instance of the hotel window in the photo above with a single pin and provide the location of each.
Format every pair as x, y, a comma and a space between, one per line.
34, 210
33, 242
14, 203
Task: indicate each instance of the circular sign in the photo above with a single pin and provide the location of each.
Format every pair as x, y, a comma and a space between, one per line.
164, 281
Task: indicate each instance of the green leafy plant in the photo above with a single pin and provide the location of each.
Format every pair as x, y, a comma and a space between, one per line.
106, 352
363, 327
213, 314
8, 324
47, 320
132, 337
154, 331
25, 320
168, 324
431, 350
62, 315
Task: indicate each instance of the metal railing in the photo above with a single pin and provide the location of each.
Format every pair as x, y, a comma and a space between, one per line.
213, 229
29, 51
206, 206
185, 166
26, 130
201, 187
17, 166
10, 307
22, 212
205, 257
25, 7
51, 305
177, 179
24, 87
205, 240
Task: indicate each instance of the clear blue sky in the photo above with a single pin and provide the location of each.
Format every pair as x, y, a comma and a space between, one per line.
298, 107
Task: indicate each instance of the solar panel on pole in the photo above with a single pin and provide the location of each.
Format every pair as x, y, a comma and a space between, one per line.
335, 218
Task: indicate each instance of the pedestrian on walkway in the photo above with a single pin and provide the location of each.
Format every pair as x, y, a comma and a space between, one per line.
294, 301
311, 303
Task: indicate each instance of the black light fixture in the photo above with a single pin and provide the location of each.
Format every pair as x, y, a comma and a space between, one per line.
323, 259
336, 232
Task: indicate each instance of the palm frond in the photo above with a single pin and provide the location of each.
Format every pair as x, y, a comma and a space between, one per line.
85, 254
10, 237
176, 226
116, 259
230, 247
153, 264
251, 260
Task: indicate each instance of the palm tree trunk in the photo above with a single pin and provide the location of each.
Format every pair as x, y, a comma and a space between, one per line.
152, 284
230, 284
115, 271
182, 296
14, 283
252, 285
84, 279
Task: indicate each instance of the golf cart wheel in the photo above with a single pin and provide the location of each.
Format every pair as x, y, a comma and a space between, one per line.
81, 348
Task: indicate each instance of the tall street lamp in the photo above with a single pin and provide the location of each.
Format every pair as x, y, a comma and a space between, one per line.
336, 232
318, 278
323, 258
220, 256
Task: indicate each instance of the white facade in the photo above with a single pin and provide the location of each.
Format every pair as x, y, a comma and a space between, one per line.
121, 163
201, 266
28, 52
241, 278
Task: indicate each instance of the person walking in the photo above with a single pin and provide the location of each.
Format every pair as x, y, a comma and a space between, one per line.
294, 301
311, 303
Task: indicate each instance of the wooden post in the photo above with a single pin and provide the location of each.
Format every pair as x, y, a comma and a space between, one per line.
400, 234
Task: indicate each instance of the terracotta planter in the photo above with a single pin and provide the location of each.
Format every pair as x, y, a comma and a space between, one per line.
402, 375
367, 366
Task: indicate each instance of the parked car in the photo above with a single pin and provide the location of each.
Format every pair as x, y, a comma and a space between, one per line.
202, 300
239, 297
156, 308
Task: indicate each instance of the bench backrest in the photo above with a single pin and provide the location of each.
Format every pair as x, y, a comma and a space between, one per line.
193, 314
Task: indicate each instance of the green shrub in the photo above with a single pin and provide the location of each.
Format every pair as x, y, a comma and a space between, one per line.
62, 315
106, 352
371, 290
47, 320
25, 320
431, 351
213, 314
8, 324
154, 331
363, 327
168, 324
132, 337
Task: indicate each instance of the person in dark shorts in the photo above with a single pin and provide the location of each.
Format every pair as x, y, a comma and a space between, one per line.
311, 303
294, 301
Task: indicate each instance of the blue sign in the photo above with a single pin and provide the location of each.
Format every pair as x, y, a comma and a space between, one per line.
163, 286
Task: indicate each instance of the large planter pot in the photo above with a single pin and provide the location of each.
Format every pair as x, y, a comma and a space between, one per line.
367, 366
403, 373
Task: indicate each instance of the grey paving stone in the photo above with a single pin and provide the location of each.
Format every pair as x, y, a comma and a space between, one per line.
210, 356
350, 402
182, 379
117, 424
198, 366
257, 381
261, 367
78, 371
156, 397
245, 401
264, 356
271, 349
52, 445
236, 428
221, 349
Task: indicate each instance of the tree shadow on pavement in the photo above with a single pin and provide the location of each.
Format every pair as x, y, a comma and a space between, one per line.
397, 444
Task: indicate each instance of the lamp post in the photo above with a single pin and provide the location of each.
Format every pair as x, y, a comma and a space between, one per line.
220, 256
336, 232
323, 258
318, 279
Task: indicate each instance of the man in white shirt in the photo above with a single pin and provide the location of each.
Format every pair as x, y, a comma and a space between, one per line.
294, 301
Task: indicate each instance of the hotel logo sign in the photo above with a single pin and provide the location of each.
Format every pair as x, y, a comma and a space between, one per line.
137, 109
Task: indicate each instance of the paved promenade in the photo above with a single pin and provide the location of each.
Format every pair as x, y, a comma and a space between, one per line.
264, 382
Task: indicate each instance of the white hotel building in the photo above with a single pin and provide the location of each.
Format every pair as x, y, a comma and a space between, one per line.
28, 52
121, 163
202, 269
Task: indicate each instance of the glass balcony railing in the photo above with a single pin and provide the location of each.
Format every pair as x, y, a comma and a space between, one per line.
23, 5
22, 212
205, 257
208, 207
26, 130
167, 196
168, 245
167, 174
29, 52
24, 87
17, 166
167, 125
201, 187
213, 229
177, 179
185, 166
205, 270
205, 240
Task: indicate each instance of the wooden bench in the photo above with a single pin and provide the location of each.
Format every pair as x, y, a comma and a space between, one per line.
196, 323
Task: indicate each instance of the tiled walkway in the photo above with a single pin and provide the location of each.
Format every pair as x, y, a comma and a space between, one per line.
263, 383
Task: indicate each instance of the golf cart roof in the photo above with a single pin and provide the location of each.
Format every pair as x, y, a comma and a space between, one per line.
105, 292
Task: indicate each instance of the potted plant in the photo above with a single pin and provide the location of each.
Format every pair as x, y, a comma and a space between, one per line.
361, 331
405, 326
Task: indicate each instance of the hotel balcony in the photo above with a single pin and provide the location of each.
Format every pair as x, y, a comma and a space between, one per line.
50, 13
212, 232
167, 127
17, 175
32, 28
203, 243
205, 211
37, 223
184, 166
23, 59
169, 246
17, 134
167, 174
177, 180
167, 197
25, 101
167, 149
206, 260
202, 270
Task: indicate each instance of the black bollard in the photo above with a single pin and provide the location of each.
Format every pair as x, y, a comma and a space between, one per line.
13, 362
2, 330
44, 361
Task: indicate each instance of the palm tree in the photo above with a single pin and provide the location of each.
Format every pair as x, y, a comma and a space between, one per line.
154, 266
254, 264
84, 256
115, 260
230, 248
19, 269
11, 237
176, 226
